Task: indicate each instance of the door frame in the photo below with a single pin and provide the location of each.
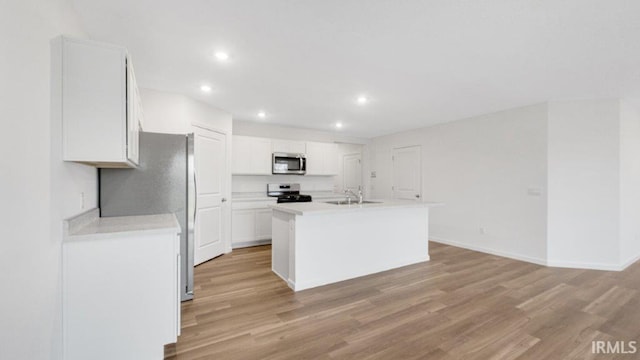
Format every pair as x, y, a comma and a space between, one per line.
359, 154
226, 206
393, 170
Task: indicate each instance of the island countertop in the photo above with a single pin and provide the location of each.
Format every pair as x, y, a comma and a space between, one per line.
320, 207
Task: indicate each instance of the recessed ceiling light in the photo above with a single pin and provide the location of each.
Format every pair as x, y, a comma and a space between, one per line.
205, 88
262, 114
338, 125
221, 55
362, 100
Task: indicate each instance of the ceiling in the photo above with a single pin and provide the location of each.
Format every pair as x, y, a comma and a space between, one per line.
419, 62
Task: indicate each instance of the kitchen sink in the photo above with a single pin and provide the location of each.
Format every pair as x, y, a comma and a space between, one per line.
344, 202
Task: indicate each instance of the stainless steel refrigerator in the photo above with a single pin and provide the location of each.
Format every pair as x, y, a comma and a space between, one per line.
164, 182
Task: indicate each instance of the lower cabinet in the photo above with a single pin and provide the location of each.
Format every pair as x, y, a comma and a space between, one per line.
120, 296
251, 223
263, 224
243, 226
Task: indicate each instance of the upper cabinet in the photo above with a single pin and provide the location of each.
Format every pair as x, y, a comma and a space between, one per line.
99, 102
322, 158
288, 146
251, 156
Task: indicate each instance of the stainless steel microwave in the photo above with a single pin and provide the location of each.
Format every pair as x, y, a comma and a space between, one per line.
291, 164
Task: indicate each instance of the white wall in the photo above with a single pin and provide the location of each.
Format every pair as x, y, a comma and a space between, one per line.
584, 183
629, 182
249, 128
482, 169
582, 157
173, 113
38, 189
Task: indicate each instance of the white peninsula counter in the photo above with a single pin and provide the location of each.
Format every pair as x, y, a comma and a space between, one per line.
319, 243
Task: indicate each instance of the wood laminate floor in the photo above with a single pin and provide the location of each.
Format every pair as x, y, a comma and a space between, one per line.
460, 305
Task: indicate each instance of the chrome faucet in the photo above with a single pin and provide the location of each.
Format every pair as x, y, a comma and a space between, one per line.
348, 193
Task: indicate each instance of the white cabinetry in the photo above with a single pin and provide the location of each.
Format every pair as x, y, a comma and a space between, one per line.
95, 89
288, 146
251, 156
120, 295
251, 223
263, 224
322, 158
243, 228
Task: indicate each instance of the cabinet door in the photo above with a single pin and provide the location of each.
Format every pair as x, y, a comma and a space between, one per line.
331, 159
241, 155
289, 146
315, 158
243, 226
263, 224
137, 328
322, 158
298, 147
251, 156
281, 146
179, 292
261, 156
132, 115
93, 97
139, 112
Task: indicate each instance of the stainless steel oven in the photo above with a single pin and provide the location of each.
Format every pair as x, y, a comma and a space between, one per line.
291, 164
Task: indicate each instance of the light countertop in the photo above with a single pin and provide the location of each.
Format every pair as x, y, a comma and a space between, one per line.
89, 226
261, 196
327, 195
320, 207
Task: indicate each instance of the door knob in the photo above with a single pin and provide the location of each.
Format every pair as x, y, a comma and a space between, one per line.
224, 199
417, 196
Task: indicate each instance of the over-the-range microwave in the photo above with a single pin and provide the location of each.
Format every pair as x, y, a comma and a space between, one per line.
289, 164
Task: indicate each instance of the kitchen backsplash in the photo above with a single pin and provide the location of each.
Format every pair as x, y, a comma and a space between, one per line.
244, 183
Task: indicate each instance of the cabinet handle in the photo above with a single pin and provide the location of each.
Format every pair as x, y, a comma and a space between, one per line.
224, 199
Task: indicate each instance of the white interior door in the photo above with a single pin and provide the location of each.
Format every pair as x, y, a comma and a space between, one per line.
210, 158
407, 173
352, 172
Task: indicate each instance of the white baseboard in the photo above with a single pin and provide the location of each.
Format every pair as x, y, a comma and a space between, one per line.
584, 265
544, 262
506, 254
630, 262
245, 244
594, 266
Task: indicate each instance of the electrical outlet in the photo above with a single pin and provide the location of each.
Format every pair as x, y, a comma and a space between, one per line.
483, 231
373, 174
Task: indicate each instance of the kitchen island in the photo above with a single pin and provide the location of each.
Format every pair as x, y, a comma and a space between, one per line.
319, 243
